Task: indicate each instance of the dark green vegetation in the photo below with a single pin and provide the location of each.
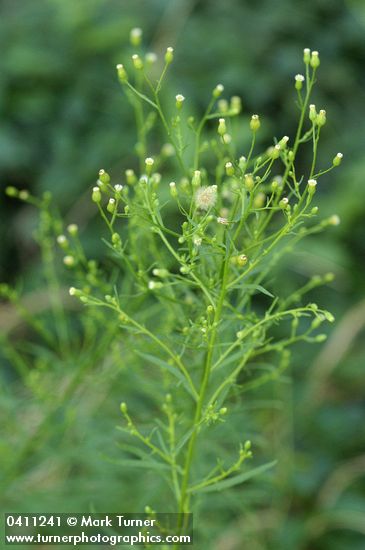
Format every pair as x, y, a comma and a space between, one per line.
62, 118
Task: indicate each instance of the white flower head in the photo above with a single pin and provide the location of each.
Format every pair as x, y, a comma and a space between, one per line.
206, 197
222, 221
299, 78
180, 98
118, 187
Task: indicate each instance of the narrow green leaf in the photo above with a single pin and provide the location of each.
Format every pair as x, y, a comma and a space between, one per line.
236, 480
166, 366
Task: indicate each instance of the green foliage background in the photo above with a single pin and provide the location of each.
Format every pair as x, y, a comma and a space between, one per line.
63, 117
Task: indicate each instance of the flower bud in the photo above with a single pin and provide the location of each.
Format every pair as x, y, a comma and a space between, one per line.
173, 190
242, 163
222, 128
73, 229
122, 73
179, 101
151, 58
11, 191
306, 55
299, 79
135, 36
321, 118
255, 123
241, 260
69, 261
314, 60
137, 62
284, 203
162, 273
312, 186
275, 152
154, 285
223, 106
23, 195
196, 181
218, 90
229, 169
111, 206
62, 241
338, 159
312, 113
249, 182
169, 55
104, 176
116, 240
149, 162
96, 194
124, 408
130, 177
236, 104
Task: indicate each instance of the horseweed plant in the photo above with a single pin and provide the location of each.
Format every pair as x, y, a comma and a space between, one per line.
195, 254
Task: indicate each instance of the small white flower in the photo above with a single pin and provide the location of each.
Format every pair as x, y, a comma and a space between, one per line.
312, 183
222, 221
149, 161
180, 98
118, 188
197, 241
206, 197
299, 78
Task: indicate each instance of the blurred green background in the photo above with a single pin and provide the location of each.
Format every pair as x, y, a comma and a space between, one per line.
63, 117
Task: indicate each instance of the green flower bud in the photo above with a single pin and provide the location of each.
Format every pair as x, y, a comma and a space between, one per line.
173, 189
312, 184
169, 55
137, 62
338, 159
135, 36
11, 191
104, 176
23, 195
223, 106
314, 60
242, 162
162, 273
111, 206
299, 79
196, 181
149, 162
179, 101
306, 55
229, 169
96, 194
218, 90
321, 118
124, 408
62, 241
122, 74
249, 182
130, 177
73, 229
222, 128
236, 104
312, 113
284, 203
69, 261
255, 123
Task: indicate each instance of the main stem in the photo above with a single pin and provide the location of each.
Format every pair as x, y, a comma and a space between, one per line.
184, 495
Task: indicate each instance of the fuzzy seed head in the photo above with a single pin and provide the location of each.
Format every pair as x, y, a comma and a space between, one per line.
206, 197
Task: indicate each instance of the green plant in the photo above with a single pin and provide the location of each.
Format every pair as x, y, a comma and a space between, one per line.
195, 259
